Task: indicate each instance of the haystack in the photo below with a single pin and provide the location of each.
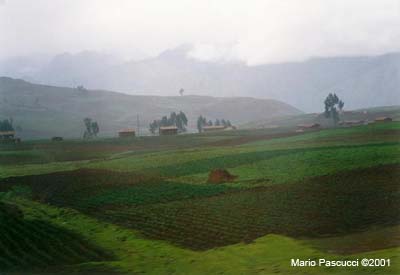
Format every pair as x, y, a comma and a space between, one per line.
220, 176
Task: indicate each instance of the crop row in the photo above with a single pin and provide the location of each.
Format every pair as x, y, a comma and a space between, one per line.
334, 204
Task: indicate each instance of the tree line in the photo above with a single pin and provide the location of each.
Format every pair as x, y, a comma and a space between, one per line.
6, 125
178, 120
202, 122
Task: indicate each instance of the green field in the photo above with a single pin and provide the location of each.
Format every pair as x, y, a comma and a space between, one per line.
143, 205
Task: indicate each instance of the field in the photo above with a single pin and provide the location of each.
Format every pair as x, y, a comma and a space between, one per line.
143, 205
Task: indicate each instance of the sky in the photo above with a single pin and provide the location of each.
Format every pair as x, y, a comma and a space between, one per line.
253, 31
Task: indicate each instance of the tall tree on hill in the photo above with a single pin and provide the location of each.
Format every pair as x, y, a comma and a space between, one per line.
217, 122
210, 123
331, 102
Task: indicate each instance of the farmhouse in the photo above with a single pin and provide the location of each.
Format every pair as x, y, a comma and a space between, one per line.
383, 119
304, 127
213, 128
228, 128
126, 133
7, 135
168, 130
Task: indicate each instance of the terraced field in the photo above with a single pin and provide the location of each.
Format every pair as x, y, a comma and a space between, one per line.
137, 209
319, 206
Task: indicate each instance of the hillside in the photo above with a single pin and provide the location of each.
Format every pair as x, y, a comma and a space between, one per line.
44, 111
357, 79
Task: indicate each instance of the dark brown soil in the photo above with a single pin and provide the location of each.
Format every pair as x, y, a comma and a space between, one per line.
220, 176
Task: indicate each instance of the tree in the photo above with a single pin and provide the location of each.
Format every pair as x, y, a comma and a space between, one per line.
181, 121
88, 126
217, 122
164, 121
210, 123
341, 105
95, 128
181, 91
92, 128
81, 88
6, 125
331, 102
172, 119
183, 117
154, 126
223, 122
201, 122
228, 123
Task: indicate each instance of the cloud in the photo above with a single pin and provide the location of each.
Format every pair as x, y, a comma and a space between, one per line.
255, 31
215, 52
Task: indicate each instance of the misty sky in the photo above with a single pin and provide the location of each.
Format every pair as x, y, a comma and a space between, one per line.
252, 31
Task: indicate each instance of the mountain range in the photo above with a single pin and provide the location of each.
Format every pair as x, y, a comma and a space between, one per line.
361, 81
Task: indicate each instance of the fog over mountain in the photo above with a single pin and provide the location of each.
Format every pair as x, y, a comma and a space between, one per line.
362, 81
292, 51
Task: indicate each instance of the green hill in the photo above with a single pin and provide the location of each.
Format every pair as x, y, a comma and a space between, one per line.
43, 111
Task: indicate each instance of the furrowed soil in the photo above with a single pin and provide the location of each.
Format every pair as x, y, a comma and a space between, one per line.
207, 217
328, 205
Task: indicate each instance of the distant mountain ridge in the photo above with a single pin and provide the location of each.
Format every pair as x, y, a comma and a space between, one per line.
364, 81
43, 111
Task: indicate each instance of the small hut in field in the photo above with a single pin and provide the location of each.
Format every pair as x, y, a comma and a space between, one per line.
126, 133
168, 130
312, 126
7, 136
213, 128
383, 119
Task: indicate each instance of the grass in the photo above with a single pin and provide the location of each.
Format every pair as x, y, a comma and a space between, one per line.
376, 238
29, 243
329, 194
144, 194
133, 254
